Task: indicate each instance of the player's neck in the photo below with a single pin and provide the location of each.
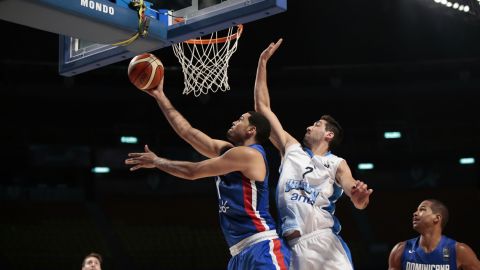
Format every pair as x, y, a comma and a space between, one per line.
429, 240
248, 142
320, 149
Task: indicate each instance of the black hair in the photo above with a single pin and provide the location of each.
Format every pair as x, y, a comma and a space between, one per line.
261, 123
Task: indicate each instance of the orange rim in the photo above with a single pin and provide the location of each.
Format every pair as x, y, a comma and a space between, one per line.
205, 41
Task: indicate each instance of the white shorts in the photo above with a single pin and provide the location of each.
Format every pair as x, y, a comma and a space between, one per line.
320, 249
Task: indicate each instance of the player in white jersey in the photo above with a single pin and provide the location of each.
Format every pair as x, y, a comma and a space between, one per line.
311, 180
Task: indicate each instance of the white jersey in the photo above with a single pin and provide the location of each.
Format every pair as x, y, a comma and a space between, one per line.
307, 191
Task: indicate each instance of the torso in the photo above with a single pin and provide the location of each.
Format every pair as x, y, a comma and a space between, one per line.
243, 204
443, 257
307, 191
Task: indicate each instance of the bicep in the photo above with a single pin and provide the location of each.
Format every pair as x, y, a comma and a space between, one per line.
233, 160
395, 258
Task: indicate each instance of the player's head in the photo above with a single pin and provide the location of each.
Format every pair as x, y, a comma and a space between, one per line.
430, 213
250, 125
326, 129
92, 261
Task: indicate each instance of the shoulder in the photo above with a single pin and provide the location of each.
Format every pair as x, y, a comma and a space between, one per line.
466, 257
463, 249
293, 147
399, 247
243, 151
395, 259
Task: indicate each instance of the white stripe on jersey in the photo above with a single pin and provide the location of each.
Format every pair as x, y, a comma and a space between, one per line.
254, 205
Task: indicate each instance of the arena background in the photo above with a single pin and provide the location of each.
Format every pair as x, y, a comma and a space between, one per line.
400, 65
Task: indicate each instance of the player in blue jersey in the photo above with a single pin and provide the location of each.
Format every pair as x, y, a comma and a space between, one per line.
241, 168
432, 250
311, 181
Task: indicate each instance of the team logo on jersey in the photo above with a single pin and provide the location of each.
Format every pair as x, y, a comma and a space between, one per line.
223, 207
307, 193
446, 255
327, 165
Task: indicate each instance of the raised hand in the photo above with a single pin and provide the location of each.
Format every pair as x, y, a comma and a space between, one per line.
142, 160
270, 50
360, 194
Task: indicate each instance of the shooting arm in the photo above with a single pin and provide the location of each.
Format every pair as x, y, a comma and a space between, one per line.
197, 139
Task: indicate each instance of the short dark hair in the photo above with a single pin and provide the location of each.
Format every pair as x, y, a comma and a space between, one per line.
440, 208
92, 254
333, 126
261, 123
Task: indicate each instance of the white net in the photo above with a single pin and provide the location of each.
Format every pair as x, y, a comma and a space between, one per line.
205, 61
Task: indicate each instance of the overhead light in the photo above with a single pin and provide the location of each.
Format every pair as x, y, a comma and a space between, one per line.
466, 9
101, 170
392, 135
455, 5
128, 139
468, 160
365, 166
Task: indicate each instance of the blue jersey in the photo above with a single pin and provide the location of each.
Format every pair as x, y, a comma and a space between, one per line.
243, 204
443, 257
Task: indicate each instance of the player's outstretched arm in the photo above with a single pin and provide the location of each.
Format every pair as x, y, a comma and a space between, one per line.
242, 159
197, 139
279, 137
357, 190
466, 258
395, 258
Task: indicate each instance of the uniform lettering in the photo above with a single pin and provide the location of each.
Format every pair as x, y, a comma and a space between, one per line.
421, 266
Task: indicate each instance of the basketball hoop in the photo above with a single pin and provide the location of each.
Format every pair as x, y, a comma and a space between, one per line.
205, 61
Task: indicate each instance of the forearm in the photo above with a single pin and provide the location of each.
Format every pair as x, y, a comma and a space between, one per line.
182, 169
181, 126
262, 98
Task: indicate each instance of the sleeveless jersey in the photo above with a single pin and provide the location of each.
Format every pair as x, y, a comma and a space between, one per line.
307, 191
243, 204
443, 257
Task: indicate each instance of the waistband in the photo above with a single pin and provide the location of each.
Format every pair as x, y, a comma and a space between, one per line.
251, 240
307, 236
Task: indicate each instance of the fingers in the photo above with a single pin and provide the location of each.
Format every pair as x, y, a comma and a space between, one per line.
134, 168
361, 187
147, 149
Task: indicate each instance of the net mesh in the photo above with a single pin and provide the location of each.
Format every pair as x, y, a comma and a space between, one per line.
205, 61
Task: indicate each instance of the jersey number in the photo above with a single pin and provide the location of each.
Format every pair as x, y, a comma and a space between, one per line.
307, 171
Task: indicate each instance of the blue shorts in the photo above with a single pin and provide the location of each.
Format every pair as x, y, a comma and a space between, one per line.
269, 254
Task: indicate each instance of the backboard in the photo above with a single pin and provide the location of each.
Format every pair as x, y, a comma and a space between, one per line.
87, 28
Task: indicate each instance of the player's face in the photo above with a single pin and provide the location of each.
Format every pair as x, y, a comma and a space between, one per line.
91, 263
236, 133
424, 217
315, 133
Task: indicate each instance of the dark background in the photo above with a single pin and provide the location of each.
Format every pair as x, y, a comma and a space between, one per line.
376, 66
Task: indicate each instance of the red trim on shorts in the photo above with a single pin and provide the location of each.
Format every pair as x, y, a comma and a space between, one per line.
277, 246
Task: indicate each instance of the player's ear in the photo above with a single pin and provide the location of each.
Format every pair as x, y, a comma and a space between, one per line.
251, 130
437, 219
329, 135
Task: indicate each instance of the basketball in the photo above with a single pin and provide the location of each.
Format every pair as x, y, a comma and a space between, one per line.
145, 71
